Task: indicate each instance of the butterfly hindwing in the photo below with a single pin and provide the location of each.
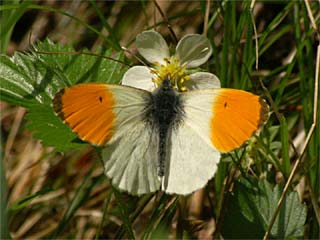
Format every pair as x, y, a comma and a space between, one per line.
191, 163
130, 159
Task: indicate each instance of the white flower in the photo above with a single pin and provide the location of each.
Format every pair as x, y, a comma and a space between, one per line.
192, 51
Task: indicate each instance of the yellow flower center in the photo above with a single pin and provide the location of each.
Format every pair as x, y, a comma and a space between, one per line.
172, 70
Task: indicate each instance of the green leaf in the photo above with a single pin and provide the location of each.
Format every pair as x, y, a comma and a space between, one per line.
252, 206
22, 81
25, 201
31, 80
51, 130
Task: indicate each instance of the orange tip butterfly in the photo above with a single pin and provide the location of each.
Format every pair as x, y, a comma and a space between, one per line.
161, 140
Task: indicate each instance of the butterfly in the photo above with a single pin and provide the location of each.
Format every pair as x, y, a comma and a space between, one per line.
161, 140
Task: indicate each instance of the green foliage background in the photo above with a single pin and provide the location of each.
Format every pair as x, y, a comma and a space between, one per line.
47, 194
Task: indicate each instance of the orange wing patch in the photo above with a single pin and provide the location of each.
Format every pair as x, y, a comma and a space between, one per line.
88, 110
237, 115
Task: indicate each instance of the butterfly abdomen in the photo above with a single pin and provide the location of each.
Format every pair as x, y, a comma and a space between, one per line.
165, 114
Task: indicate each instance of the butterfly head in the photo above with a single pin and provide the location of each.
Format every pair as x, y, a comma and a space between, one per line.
166, 83
172, 71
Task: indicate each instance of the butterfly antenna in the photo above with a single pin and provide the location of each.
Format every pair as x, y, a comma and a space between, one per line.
135, 56
83, 53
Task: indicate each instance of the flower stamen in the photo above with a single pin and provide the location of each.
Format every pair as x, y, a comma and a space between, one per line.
172, 70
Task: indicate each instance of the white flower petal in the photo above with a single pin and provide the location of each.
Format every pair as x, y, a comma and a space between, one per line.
202, 80
152, 46
193, 50
139, 77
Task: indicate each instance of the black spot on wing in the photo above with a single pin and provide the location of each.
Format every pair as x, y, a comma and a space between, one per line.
225, 105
